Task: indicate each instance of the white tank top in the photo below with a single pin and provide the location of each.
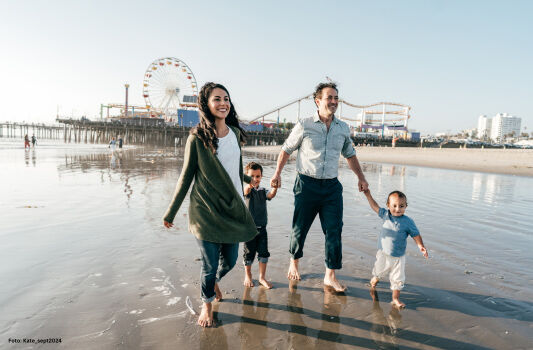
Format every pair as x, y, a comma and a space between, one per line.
229, 154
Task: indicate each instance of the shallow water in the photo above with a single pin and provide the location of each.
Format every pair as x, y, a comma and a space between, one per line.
84, 258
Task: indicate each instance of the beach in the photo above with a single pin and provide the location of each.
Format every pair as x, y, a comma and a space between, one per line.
499, 161
85, 258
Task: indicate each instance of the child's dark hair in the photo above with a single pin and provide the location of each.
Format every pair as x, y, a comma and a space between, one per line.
400, 195
254, 166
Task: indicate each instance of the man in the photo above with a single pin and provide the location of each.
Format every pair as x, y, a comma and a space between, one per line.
319, 140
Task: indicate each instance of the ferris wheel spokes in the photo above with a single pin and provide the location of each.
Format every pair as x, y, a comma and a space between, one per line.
169, 84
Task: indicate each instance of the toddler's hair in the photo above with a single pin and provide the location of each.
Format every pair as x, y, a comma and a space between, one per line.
400, 195
253, 166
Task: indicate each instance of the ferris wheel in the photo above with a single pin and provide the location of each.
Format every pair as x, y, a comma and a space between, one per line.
169, 85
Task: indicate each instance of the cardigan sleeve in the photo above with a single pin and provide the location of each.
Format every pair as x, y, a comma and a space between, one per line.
190, 165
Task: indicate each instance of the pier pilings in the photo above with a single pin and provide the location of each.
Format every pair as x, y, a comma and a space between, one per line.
85, 131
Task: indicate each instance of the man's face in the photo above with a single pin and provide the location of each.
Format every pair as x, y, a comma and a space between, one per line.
328, 102
256, 177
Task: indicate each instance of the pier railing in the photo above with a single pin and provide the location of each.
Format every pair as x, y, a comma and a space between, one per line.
87, 131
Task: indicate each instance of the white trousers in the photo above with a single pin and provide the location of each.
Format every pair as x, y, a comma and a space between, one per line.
395, 267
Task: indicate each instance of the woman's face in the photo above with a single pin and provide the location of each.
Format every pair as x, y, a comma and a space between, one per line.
218, 103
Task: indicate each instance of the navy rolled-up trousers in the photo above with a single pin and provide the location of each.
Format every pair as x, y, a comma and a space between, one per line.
323, 197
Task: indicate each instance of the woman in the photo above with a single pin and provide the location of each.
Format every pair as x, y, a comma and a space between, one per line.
218, 216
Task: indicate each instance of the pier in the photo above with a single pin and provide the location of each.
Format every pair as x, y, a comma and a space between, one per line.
86, 131
41, 131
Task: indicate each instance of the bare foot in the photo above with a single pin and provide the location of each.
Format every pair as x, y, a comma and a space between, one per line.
339, 288
397, 303
374, 282
206, 316
218, 293
248, 281
265, 283
293, 273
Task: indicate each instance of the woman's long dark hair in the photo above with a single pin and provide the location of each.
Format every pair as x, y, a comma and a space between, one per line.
205, 130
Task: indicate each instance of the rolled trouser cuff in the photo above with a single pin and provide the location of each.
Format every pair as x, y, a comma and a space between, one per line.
333, 266
208, 300
263, 260
396, 285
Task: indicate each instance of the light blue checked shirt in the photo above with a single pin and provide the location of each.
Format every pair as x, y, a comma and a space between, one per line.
318, 148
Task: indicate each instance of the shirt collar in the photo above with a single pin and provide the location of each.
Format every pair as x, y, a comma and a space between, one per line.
316, 118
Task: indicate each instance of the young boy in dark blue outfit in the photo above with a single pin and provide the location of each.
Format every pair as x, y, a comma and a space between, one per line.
256, 198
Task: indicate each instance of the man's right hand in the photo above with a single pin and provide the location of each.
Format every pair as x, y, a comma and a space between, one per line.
167, 224
275, 181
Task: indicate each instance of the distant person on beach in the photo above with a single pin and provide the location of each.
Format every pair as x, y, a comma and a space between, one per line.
218, 216
33, 140
392, 242
112, 144
320, 140
26, 141
256, 198
120, 141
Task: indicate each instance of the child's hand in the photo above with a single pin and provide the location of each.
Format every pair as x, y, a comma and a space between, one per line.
424, 251
366, 192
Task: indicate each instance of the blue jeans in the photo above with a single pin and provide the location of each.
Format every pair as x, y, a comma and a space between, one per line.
217, 260
259, 245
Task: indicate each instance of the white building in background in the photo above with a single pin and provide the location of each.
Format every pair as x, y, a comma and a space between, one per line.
504, 124
483, 127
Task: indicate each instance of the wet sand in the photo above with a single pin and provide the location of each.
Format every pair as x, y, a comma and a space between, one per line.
499, 161
84, 258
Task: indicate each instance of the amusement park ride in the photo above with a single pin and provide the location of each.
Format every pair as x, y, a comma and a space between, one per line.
381, 117
170, 93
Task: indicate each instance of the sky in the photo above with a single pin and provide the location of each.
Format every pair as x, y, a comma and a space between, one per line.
451, 61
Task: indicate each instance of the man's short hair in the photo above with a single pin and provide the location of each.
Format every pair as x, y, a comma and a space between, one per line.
322, 86
253, 166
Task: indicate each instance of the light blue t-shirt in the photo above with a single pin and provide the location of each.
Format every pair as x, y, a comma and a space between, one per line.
394, 231
319, 149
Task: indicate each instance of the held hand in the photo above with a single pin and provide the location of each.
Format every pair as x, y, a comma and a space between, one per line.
167, 224
424, 251
363, 185
275, 181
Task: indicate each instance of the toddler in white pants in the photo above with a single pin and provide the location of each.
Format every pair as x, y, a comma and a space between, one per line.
392, 241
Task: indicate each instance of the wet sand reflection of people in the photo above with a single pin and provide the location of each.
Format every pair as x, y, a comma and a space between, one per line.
331, 309
298, 338
384, 329
116, 160
215, 337
253, 335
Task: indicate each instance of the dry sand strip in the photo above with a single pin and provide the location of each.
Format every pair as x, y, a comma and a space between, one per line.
500, 161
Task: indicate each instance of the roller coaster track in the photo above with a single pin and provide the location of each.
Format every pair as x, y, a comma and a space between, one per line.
367, 110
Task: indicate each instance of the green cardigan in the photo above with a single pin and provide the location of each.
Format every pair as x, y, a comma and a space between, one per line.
216, 211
